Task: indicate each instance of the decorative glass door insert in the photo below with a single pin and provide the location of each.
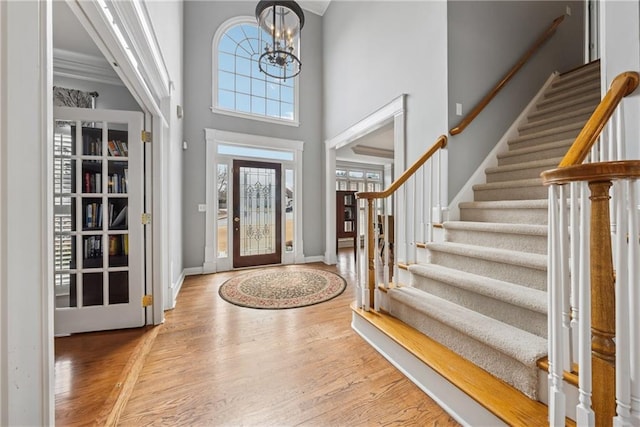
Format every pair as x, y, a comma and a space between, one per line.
257, 224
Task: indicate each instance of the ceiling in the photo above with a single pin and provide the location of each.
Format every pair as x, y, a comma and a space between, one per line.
319, 7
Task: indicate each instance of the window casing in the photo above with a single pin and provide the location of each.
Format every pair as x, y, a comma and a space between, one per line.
239, 87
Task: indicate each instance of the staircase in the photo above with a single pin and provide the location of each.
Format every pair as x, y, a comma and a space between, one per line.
483, 292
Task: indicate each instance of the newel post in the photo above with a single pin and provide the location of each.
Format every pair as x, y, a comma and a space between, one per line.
603, 323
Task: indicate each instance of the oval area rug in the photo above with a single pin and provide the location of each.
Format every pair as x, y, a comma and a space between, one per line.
278, 288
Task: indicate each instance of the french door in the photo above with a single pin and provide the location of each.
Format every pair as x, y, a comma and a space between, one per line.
98, 234
257, 210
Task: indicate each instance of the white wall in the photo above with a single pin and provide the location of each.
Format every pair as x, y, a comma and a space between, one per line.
26, 310
375, 51
620, 52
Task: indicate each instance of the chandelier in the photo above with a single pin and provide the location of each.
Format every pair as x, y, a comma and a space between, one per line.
280, 25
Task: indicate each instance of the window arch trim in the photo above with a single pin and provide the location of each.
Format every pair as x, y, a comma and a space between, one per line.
215, 108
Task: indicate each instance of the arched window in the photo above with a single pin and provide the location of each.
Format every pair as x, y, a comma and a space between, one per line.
239, 87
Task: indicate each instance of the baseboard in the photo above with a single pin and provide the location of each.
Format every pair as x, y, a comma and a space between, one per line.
175, 290
317, 258
466, 192
456, 403
192, 271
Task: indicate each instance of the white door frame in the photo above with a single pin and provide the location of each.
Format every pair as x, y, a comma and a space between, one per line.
394, 112
26, 215
215, 137
149, 84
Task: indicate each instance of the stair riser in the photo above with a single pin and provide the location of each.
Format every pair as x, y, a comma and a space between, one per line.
551, 137
514, 193
518, 174
530, 321
516, 242
536, 155
505, 215
520, 275
502, 366
578, 119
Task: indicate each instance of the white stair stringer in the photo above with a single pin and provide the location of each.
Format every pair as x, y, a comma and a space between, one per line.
503, 350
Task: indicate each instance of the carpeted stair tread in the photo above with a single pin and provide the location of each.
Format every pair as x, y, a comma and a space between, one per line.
532, 152
579, 114
522, 259
522, 296
564, 96
574, 127
506, 211
520, 345
523, 170
589, 99
517, 189
564, 84
589, 68
496, 227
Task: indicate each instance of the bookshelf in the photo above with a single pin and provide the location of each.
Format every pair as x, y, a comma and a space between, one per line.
91, 223
347, 216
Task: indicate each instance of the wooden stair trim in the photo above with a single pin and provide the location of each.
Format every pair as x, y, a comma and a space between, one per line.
403, 266
569, 377
117, 400
421, 245
499, 398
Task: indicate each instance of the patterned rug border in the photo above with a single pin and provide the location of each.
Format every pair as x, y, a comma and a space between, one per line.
235, 280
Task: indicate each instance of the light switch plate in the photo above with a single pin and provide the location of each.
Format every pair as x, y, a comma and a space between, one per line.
202, 208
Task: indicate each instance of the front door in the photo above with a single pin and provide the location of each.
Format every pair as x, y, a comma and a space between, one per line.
98, 236
257, 210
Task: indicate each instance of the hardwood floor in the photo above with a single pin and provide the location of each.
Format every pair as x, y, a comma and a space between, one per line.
216, 364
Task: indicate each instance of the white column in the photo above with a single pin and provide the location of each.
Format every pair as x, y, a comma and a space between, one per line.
26, 293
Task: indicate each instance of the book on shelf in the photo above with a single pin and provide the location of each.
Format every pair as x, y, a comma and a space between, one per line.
120, 219
93, 247
93, 215
118, 148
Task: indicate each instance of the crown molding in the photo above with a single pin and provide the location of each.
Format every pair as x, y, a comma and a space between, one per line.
372, 151
84, 67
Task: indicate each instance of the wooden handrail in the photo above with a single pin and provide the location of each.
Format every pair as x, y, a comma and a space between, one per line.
441, 142
623, 85
523, 60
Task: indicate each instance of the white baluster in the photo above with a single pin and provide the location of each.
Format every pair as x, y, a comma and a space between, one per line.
565, 283
623, 383
429, 188
584, 414
365, 289
575, 266
386, 250
634, 302
421, 176
411, 207
437, 210
554, 280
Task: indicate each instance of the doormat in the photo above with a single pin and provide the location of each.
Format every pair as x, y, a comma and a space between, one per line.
278, 288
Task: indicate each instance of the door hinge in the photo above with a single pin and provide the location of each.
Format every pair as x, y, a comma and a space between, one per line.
145, 218
147, 300
146, 136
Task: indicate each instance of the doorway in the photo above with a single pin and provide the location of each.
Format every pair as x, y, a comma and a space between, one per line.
257, 213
